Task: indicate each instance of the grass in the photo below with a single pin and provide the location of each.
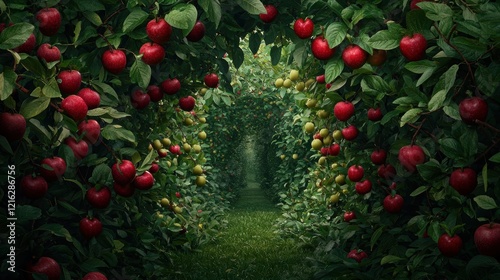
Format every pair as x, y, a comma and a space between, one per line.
248, 249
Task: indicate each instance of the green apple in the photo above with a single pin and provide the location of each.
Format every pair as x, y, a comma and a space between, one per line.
340, 179
294, 75
287, 83
282, 157
323, 114
327, 141
309, 83
324, 132
300, 86
197, 170
309, 127
311, 102
164, 202
157, 144
202, 135
166, 142
334, 198
201, 181
197, 148
321, 160
337, 135
279, 82
202, 120
316, 144
187, 147
295, 156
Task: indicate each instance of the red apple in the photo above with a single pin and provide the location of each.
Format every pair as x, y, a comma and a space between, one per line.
448, 245
91, 130
158, 30
170, 86
178, 194
90, 227
377, 58
349, 216
386, 171
34, 186
413, 46
334, 150
91, 97
410, 156
363, 187
75, 107
320, 79
28, 46
355, 173
139, 99
48, 52
303, 28
187, 103
175, 149
374, 114
463, 180
80, 148
357, 255
320, 48
155, 93
472, 109
114, 61
126, 190
354, 56
144, 181
152, 53
52, 168
12, 126
487, 239
46, 266
162, 152
393, 204
154, 167
343, 110
378, 156
211, 80
49, 21
98, 198
350, 133
270, 15
123, 172
197, 33
94, 276
69, 81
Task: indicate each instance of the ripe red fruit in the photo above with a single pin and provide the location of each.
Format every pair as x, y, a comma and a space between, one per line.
487, 239
270, 15
90, 227
162, 152
374, 114
303, 28
75, 107
91, 130
94, 276
47, 266
171, 86
98, 198
126, 190
393, 204
158, 30
472, 109
48, 52
123, 172
386, 171
320, 79
320, 48
197, 33
334, 150
317, 136
378, 156
114, 61
187, 103
448, 245
350, 133
354, 56
343, 110
49, 21
12, 126
80, 148
349, 215
413, 4
211, 80
144, 181
154, 167
52, 168
34, 186
175, 149
91, 97
324, 151
463, 180
355, 173
69, 81
413, 46
152, 53
377, 58
28, 46
178, 194
363, 187
410, 156
139, 99
155, 93
357, 255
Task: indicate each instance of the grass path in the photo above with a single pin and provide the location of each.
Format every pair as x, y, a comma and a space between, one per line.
249, 248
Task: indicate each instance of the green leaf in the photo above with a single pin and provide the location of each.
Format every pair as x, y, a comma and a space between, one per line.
182, 16
57, 230
437, 100
335, 33
452, 112
93, 17
140, 73
70, 208
385, 40
419, 190
375, 236
117, 132
333, 69
92, 264
430, 170
419, 67
213, 9
471, 49
254, 42
410, 116
15, 35
253, 7
27, 213
275, 55
450, 148
485, 177
436, 11
238, 57
417, 22
495, 158
483, 267
485, 202
7, 83
31, 107
101, 175
134, 19
51, 89
390, 259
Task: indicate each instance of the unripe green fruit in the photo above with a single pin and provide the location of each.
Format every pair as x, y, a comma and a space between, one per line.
202, 135
197, 170
287, 83
279, 82
157, 144
309, 127
294, 75
324, 132
316, 144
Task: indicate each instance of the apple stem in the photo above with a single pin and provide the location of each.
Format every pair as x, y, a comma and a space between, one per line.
425, 131
485, 124
56, 107
110, 46
417, 131
121, 8
21, 88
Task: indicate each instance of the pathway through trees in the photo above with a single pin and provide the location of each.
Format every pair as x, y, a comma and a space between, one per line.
249, 248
